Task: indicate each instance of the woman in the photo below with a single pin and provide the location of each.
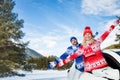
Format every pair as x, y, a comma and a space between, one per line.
93, 57
90, 49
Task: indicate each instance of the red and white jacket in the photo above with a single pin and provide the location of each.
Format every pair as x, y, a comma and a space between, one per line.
93, 57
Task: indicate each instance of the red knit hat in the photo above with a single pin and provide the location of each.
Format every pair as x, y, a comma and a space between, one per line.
87, 30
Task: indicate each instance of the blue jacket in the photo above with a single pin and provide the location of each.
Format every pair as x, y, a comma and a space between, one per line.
79, 64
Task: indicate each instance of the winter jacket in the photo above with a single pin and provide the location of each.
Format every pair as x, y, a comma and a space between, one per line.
93, 57
78, 61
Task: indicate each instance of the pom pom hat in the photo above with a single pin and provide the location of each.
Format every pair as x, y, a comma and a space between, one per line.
87, 30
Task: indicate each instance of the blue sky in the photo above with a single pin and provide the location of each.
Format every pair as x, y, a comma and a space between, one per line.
49, 24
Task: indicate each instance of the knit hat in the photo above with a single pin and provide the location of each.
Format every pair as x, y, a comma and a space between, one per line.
72, 38
87, 30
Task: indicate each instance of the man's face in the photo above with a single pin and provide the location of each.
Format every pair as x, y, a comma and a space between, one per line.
74, 42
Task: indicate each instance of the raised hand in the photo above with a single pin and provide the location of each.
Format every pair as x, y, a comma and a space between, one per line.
117, 22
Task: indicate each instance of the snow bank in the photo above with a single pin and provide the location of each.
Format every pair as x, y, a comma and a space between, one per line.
38, 74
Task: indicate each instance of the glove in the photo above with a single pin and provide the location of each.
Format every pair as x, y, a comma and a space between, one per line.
117, 22
52, 65
95, 34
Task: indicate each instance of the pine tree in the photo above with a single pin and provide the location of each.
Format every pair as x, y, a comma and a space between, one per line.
117, 38
11, 47
118, 34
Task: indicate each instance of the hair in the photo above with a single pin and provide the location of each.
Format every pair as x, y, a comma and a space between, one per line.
92, 41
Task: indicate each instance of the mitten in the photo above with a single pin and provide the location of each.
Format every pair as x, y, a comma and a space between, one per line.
95, 34
117, 22
52, 65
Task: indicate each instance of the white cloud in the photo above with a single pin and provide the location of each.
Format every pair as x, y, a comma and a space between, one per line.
101, 7
43, 52
49, 41
57, 41
45, 44
61, 1
69, 30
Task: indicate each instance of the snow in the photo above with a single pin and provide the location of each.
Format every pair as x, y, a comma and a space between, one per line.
40, 75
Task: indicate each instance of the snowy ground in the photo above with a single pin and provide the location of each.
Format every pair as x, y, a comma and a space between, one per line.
40, 75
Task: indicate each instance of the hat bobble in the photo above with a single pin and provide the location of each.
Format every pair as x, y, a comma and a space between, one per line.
87, 27
87, 30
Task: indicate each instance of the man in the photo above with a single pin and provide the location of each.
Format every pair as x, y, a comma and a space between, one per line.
78, 65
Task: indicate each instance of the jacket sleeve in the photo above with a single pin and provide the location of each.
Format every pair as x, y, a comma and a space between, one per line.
105, 34
68, 52
71, 57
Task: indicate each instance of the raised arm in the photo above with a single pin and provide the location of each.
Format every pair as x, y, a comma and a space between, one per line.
107, 32
68, 52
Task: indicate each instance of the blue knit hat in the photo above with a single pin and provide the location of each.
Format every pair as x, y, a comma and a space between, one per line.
72, 38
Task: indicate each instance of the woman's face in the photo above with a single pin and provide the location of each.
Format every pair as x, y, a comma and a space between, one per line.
87, 36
